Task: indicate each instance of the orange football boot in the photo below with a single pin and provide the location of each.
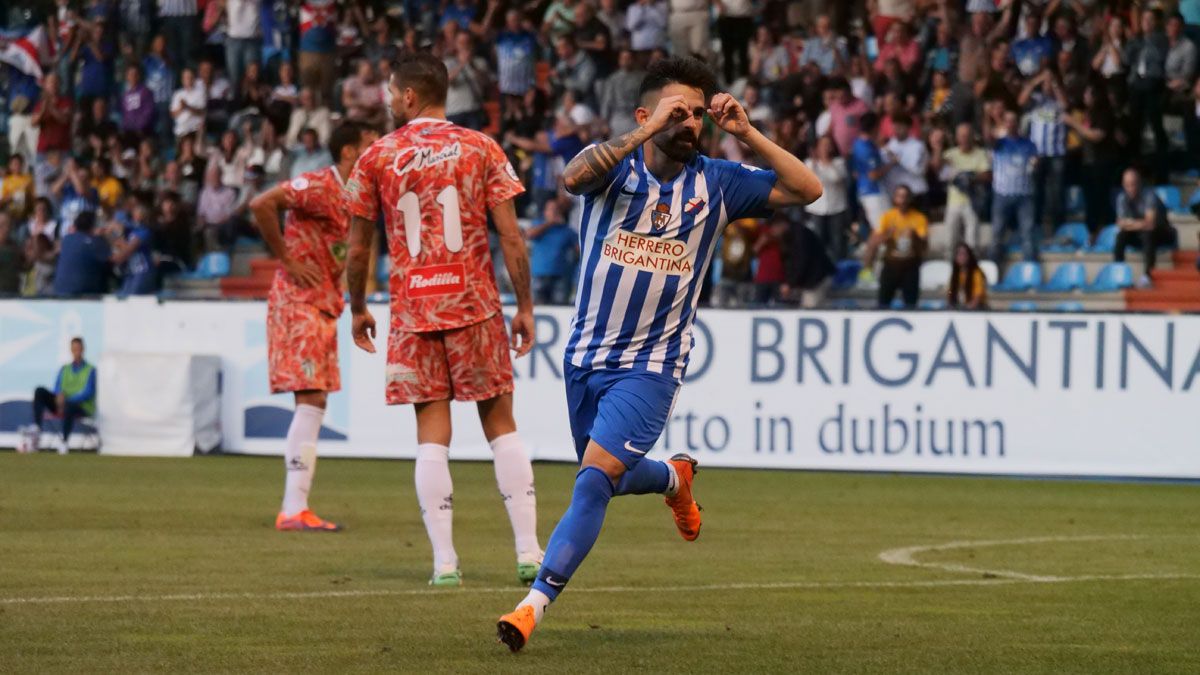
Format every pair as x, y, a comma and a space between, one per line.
305, 521
683, 506
514, 628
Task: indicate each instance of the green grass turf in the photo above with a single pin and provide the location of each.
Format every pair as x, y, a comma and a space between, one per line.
99, 526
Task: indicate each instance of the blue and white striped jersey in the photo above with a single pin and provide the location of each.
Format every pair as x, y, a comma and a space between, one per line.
646, 247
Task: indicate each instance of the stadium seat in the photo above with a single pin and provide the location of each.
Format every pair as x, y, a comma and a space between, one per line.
935, 275
1070, 276
847, 273
1106, 241
1069, 307
1069, 238
1112, 277
990, 271
933, 305
1021, 276
379, 297
1023, 306
213, 265
1194, 199
1171, 198
844, 303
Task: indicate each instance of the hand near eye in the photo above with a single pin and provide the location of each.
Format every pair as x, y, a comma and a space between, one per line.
729, 115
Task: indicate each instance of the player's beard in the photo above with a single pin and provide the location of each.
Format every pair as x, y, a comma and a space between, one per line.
679, 144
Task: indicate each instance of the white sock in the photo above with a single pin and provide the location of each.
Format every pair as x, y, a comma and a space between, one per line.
514, 478
300, 457
672, 482
435, 494
539, 601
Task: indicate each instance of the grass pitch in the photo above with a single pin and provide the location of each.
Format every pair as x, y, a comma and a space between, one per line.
173, 565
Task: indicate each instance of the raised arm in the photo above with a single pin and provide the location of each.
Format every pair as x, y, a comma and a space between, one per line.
796, 184
590, 168
516, 260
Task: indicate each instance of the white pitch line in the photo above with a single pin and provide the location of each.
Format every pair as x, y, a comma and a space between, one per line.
514, 590
907, 556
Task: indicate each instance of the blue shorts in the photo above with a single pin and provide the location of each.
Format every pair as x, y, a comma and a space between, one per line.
623, 410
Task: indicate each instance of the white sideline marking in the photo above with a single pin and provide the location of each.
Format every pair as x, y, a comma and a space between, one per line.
907, 556
516, 590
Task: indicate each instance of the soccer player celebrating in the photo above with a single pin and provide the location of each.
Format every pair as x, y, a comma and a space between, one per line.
447, 338
303, 307
653, 209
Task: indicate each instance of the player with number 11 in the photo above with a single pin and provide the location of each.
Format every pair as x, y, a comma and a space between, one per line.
436, 183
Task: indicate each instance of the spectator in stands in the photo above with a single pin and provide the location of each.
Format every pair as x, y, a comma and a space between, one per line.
243, 41
173, 243
688, 26
735, 25
552, 255
1045, 101
83, 261
310, 155
52, 120
137, 104
1147, 58
647, 23
574, 70
308, 115
362, 96
218, 96
317, 45
1142, 220
516, 59
11, 258
1032, 53
214, 211
903, 233
824, 49
41, 258
189, 104
160, 79
968, 285
74, 395
900, 46
845, 113
906, 159
1095, 127
1014, 164
868, 169
75, 193
593, 37
769, 60
967, 170
94, 61
769, 253
468, 84
829, 215
133, 254
108, 189
809, 270
16, 189
180, 24
619, 95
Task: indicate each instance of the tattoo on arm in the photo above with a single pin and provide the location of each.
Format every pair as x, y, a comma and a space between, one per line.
358, 260
589, 168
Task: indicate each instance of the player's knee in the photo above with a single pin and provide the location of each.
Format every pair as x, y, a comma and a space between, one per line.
593, 487
312, 397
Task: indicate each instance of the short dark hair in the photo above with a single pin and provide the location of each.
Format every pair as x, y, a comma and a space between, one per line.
683, 70
902, 118
425, 74
837, 84
868, 122
85, 221
77, 339
346, 134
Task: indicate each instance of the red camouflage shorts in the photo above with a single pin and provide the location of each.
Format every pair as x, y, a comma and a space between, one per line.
470, 363
302, 348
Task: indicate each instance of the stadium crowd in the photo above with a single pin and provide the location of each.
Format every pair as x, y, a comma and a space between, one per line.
137, 147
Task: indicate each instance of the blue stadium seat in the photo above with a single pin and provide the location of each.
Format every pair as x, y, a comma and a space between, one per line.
1069, 307
1070, 276
844, 303
1021, 276
1171, 198
212, 266
1194, 199
1112, 277
379, 297
1023, 306
1106, 241
847, 273
1069, 237
933, 305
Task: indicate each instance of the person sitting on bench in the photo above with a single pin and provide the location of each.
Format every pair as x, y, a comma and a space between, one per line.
74, 394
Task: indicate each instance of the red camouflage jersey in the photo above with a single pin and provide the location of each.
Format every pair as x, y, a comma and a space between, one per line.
315, 233
437, 182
